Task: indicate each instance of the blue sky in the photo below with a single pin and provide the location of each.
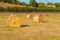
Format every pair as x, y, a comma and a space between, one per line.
45, 1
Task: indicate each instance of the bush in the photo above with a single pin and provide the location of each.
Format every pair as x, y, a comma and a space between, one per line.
9, 9
15, 9
29, 9
2, 9
48, 10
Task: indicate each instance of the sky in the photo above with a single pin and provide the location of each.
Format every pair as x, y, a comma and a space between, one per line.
45, 1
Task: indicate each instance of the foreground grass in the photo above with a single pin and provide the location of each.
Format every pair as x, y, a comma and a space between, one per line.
35, 31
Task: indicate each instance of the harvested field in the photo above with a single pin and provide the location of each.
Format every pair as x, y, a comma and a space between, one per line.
49, 30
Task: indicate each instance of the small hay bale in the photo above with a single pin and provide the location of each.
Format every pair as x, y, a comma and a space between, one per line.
14, 21
29, 16
38, 18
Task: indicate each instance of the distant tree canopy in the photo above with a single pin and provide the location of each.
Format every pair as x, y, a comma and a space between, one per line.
57, 4
50, 3
33, 3
41, 4
22, 3
33, 6
10, 1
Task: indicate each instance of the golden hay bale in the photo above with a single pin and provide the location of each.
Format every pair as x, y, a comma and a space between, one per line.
29, 16
38, 18
14, 21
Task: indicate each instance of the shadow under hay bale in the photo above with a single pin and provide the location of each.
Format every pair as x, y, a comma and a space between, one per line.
44, 21
24, 25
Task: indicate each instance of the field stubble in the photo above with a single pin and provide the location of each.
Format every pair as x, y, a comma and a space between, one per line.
35, 31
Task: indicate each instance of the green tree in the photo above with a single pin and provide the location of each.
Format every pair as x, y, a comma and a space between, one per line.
1, 0
33, 3
50, 3
41, 4
14, 1
22, 3
10, 1
57, 4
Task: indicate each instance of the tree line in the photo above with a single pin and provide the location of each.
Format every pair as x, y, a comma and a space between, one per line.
28, 9
9, 1
42, 4
33, 6
31, 3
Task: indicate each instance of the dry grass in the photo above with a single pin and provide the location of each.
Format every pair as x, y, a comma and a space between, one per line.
35, 31
9, 5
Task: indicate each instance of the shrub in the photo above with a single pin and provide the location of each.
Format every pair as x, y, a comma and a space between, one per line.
48, 10
9, 9
2, 9
29, 9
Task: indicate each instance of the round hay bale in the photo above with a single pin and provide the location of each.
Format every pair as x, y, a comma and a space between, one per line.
29, 16
14, 21
38, 18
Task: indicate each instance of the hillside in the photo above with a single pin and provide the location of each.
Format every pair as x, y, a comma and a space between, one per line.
9, 5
